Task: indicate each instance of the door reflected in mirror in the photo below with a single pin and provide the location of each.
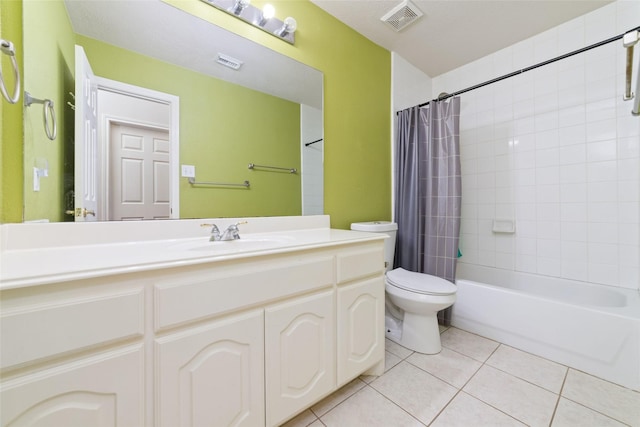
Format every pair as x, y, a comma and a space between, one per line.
265, 113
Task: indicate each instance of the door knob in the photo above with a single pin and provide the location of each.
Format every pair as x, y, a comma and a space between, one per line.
83, 212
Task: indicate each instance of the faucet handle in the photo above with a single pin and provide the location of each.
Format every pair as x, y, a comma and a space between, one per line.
215, 227
234, 228
215, 232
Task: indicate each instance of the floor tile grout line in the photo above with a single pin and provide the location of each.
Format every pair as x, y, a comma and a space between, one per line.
443, 379
555, 408
339, 403
342, 401
491, 406
524, 379
597, 411
460, 389
445, 406
604, 380
396, 404
478, 398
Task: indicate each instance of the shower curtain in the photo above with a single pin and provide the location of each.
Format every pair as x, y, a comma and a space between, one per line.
428, 190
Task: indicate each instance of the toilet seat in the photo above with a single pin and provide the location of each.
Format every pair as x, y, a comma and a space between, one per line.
420, 283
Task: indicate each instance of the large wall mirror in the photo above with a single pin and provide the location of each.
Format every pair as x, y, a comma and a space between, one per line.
163, 98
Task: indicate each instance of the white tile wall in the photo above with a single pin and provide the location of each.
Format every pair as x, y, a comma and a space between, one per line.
556, 149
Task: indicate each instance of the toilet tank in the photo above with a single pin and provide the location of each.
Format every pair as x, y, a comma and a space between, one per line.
386, 227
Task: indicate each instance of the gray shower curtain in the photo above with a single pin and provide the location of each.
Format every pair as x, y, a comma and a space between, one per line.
428, 190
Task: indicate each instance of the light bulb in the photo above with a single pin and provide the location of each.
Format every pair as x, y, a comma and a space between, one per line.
290, 24
268, 12
288, 27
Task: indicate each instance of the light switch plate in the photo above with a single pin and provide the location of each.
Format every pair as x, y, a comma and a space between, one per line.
36, 179
188, 171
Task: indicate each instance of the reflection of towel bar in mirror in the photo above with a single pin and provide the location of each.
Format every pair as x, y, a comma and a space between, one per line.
47, 112
193, 181
7, 48
312, 142
253, 166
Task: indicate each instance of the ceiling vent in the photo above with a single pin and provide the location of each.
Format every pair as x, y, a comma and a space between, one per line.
402, 15
228, 61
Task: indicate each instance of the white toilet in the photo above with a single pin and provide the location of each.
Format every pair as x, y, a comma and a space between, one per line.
413, 299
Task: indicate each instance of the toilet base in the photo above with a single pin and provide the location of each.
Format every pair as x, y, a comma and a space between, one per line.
419, 333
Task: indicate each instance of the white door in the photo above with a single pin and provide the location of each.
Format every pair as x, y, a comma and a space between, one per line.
86, 140
138, 136
139, 172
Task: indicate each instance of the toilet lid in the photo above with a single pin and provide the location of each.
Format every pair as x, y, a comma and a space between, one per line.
420, 282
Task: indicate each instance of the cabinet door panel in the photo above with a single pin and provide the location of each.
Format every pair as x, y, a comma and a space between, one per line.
104, 390
360, 327
300, 354
213, 374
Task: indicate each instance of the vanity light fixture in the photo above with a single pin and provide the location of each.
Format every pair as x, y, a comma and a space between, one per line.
263, 19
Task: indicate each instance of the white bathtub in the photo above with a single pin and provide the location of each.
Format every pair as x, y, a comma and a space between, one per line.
592, 328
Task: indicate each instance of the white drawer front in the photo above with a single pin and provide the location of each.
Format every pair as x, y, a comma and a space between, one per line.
63, 326
206, 293
360, 262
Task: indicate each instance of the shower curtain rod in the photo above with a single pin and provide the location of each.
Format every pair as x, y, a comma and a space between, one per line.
532, 67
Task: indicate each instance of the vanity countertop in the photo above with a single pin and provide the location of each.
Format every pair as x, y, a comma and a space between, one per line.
79, 251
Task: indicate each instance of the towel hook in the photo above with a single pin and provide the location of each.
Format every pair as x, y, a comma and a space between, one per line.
7, 48
47, 112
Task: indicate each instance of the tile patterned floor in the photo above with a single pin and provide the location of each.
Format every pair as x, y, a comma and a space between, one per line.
474, 382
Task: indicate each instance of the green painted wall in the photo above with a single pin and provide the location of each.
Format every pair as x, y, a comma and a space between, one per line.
223, 128
357, 116
11, 171
48, 74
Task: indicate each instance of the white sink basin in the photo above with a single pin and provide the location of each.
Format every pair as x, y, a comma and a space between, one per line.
245, 243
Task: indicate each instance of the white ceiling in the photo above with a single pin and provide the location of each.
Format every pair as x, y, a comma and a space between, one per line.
159, 30
452, 33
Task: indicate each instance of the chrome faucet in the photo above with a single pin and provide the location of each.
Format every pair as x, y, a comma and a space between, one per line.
215, 233
231, 233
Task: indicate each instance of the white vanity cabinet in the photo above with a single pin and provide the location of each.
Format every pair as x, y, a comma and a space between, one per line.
72, 354
247, 341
